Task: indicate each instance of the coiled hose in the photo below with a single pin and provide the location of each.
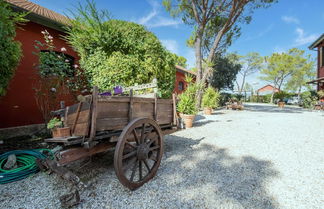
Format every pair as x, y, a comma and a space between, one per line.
26, 161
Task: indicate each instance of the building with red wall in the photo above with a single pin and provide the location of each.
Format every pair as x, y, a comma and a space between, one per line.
180, 83
18, 107
267, 89
318, 45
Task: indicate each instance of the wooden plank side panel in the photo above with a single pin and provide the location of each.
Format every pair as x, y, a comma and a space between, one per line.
145, 110
164, 113
111, 123
81, 129
112, 109
83, 117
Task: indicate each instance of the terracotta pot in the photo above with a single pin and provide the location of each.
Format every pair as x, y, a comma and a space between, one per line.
61, 132
208, 110
188, 120
281, 104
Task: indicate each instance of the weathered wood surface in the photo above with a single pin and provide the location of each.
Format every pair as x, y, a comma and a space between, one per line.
115, 112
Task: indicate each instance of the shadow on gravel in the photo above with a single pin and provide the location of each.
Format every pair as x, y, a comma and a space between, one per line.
272, 109
199, 117
212, 176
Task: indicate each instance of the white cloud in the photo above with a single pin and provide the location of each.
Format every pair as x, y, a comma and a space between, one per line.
154, 19
171, 45
144, 20
290, 19
303, 38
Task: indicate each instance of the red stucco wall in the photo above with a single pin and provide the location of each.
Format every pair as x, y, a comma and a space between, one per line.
18, 107
320, 69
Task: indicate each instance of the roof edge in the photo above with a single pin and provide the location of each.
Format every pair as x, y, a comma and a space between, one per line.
316, 42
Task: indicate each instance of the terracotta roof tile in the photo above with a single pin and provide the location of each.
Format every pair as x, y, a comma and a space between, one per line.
39, 10
180, 68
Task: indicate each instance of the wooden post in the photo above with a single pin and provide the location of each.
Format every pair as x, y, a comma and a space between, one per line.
155, 106
175, 118
76, 117
130, 111
94, 113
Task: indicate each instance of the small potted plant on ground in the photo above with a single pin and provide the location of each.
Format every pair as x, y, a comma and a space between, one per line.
56, 126
281, 95
210, 100
187, 105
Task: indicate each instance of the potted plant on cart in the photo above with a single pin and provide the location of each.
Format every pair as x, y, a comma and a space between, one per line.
56, 126
187, 105
210, 100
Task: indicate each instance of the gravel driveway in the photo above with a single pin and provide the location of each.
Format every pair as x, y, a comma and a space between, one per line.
262, 157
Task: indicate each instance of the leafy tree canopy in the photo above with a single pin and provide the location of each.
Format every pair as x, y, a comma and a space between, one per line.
225, 71
116, 52
10, 52
215, 24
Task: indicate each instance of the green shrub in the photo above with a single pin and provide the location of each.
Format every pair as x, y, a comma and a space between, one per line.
282, 95
210, 98
119, 53
10, 52
187, 100
309, 99
54, 123
320, 94
223, 98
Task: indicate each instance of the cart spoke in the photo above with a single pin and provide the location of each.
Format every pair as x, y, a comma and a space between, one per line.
129, 154
130, 145
136, 137
133, 172
152, 158
140, 170
142, 133
147, 166
154, 148
152, 140
129, 164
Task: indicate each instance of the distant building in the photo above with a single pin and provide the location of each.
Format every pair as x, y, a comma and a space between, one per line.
268, 89
180, 83
318, 45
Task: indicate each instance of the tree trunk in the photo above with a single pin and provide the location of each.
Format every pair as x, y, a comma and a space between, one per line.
271, 100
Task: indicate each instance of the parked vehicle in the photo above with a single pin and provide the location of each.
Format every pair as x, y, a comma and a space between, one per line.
293, 101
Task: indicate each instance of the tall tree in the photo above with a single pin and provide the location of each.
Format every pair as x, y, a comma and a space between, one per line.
251, 63
279, 67
304, 71
225, 70
215, 23
10, 50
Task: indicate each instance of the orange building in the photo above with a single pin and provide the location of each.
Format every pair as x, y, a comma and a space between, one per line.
180, 83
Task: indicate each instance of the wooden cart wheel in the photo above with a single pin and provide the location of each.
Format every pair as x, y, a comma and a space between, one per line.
138, 152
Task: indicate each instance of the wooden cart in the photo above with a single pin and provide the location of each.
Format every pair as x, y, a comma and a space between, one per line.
134, 126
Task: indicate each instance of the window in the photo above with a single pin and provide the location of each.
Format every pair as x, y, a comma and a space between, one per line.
181, 86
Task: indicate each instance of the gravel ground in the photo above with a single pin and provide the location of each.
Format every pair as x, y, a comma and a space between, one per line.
262, 157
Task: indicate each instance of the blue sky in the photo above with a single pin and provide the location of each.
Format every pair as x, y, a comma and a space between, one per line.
286, 24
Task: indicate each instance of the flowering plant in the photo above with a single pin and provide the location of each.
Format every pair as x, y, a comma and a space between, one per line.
51, 62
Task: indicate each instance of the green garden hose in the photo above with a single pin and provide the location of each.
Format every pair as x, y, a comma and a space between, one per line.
26, 161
